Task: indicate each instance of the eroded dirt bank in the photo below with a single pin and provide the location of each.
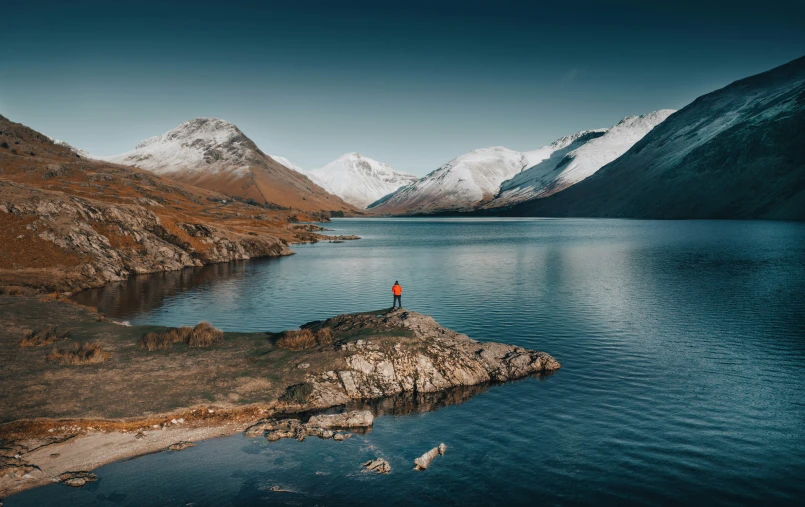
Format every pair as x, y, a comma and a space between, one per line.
60, 418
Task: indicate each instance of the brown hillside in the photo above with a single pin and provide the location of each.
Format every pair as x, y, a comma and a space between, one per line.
68, 223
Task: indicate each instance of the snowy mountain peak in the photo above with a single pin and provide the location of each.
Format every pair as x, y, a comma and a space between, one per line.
459, 184
215, 154
198, 145
359, 180
211, 130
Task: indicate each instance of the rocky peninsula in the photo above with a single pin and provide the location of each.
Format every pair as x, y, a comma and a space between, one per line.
149, 389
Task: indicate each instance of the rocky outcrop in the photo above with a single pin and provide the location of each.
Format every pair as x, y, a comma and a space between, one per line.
379, 466
408, 352
423, 462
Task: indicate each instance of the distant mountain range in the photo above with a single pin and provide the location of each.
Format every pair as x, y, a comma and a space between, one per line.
496, 177
459, 185
738, 152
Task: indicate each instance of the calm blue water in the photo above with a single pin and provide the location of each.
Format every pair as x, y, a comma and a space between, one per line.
682, 345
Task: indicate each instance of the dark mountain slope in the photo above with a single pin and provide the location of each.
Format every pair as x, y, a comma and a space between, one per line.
738, 152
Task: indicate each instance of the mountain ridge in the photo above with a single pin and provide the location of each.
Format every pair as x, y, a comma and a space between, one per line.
215, 154
497, 177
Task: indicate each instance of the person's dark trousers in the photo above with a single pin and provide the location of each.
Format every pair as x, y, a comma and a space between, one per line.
397, 299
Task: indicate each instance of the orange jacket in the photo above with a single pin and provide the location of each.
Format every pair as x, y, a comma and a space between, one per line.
396, 290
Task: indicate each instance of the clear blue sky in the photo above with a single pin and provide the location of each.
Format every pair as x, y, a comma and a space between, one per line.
409, 83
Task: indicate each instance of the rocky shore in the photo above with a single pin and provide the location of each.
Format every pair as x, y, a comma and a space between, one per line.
371, 363
69, 223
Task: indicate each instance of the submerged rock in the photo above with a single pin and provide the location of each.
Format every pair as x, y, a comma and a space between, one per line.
378, 465
180, 446
321, 426
423, 462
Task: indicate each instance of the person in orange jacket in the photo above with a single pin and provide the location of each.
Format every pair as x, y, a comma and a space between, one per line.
396, 289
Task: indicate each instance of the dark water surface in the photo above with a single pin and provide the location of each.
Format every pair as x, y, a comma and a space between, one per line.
683, 378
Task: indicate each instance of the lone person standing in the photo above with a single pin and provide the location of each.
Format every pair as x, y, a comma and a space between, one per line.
396, 289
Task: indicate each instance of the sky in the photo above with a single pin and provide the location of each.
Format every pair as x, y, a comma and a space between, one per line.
413, 84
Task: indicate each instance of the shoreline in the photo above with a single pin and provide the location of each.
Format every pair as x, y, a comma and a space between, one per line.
59, 446
62, 418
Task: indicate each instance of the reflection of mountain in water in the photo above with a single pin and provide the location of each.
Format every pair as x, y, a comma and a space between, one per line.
143, 293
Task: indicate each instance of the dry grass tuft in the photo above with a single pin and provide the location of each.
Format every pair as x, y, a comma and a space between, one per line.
40, 338
157, 341
79, 353
324, 336
304, 339
203, 335
296, 340
180, 334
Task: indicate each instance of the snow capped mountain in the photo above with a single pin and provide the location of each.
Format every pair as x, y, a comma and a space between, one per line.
204, 145
359, 180
736, 152
498, 177
574, 158
460, 184
79, 152
215, 154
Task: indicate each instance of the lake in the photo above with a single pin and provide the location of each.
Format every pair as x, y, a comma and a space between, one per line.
682, 346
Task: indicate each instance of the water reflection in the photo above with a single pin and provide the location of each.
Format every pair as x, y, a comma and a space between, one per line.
144, 293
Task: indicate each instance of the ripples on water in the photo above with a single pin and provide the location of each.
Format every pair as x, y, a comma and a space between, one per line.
682, 344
